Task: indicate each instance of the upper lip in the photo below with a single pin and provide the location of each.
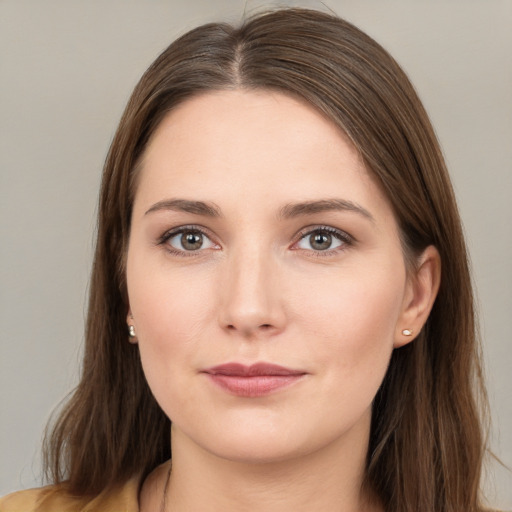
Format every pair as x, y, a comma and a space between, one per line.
257, 369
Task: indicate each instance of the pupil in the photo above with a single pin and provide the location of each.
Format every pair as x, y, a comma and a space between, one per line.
321, 241
191, 241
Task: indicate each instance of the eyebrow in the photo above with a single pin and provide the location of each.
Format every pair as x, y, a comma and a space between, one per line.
288, 211
184, 205
324, 205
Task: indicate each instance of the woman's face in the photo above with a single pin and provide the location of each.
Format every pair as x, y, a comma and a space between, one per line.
259, 238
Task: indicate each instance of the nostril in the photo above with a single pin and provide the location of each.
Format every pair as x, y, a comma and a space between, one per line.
263, 327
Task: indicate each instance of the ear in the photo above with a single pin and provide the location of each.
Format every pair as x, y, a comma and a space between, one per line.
132, 337
421, 291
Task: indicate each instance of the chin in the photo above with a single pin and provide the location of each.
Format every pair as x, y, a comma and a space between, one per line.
255, 441
257, 450
251, 440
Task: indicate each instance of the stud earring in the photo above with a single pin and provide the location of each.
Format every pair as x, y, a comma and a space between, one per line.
131, 331
407, 332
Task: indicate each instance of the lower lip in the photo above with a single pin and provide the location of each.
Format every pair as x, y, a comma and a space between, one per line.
254, 386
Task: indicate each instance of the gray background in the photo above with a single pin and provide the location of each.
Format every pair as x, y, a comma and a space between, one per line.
67, 68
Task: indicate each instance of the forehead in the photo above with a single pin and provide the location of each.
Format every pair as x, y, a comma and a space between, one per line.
252, 146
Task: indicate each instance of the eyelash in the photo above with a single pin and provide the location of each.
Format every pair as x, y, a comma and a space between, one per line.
342, 236
346, 239
177, 231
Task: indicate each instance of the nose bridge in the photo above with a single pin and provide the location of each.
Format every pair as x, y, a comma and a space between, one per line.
251, 300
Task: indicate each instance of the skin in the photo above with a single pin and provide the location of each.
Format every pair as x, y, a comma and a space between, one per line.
259, 289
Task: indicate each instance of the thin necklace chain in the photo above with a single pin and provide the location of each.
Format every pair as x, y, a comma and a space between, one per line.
163, 508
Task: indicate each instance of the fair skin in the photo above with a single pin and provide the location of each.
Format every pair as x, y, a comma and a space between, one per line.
258, 236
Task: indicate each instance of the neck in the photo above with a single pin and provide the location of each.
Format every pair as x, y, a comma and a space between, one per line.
328, 479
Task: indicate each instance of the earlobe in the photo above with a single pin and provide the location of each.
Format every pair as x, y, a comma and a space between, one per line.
422, 287
132, 335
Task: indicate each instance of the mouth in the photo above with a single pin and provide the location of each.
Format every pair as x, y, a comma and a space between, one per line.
253, 381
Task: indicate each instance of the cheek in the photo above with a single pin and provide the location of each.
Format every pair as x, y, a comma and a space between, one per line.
170, 310
169, 305
352, 302
351, 319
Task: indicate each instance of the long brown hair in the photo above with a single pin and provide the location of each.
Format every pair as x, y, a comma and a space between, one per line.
426, 444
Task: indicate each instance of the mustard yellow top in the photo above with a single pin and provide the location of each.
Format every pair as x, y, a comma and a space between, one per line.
54, 498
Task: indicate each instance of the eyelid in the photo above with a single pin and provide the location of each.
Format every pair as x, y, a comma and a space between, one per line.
170, 233
345, 237
180, 229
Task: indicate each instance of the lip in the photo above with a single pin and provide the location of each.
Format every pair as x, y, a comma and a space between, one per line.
253, 381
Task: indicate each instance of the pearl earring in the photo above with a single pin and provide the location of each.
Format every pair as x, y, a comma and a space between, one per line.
407, 332
131, 331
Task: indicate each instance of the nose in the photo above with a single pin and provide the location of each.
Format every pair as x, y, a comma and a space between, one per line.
251, 295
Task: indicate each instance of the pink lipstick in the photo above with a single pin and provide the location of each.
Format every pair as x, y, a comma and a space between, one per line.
257, 380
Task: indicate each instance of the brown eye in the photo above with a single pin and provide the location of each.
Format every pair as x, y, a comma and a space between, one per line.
323, 239
188, 240
320, 241
191, 241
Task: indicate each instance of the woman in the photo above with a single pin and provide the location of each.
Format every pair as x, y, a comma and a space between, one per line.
280, 295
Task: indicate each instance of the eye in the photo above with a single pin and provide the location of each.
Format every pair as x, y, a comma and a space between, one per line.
187, 240
324, 239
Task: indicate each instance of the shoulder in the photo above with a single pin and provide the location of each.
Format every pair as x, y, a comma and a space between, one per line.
32, 500
55, 498
21, 500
